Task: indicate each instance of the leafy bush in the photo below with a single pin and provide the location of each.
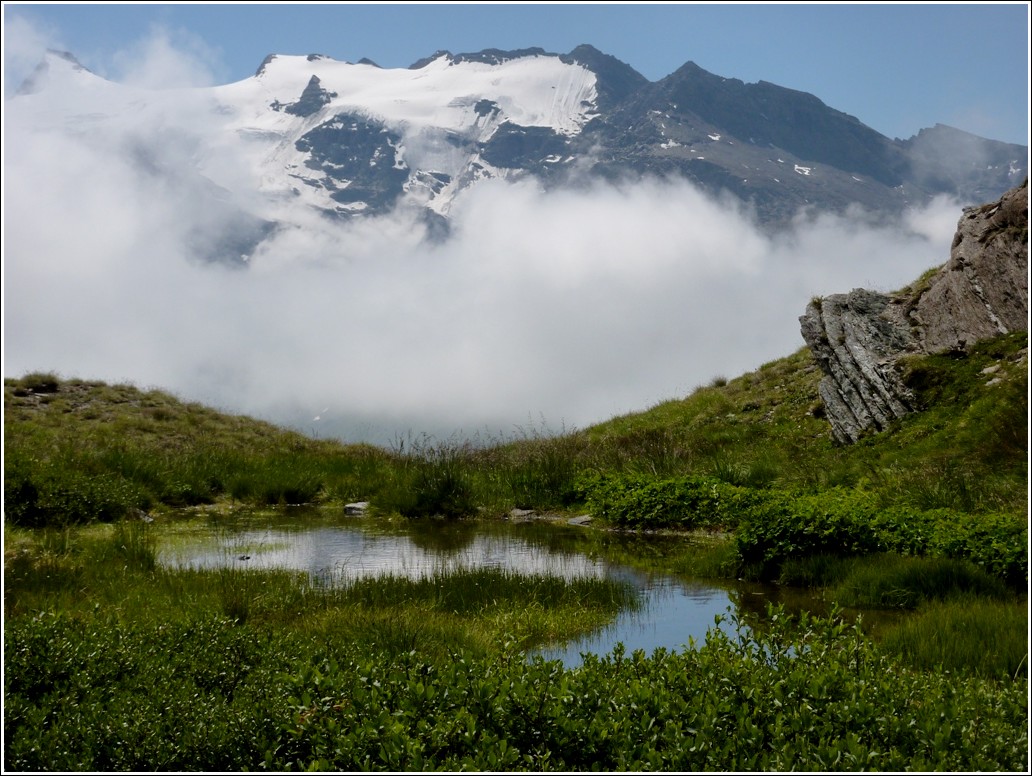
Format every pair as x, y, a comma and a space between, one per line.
682, 502
997, 543
99, 696
778, 526
781, 525
814, 695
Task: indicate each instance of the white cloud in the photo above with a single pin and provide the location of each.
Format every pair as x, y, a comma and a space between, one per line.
572, 306
24, 45
167, 58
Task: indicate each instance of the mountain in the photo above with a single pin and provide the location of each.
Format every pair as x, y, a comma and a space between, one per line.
356, 140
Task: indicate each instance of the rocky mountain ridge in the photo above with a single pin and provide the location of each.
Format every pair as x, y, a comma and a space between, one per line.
351, 141
859, 338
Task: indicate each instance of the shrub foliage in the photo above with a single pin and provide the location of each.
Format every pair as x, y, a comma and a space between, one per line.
812, 695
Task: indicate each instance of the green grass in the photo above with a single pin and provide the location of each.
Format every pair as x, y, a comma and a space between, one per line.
961, 635
79, 451
900, 582
965, 449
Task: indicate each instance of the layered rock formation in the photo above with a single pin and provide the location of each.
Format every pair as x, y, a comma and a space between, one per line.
859, 337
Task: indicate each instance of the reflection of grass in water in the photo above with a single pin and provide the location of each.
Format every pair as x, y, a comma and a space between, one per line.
444, 608
244, 547
445, 600
184, 540
179, 540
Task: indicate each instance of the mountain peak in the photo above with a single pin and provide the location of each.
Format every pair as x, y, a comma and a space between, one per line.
265, 63
616, 79
53, 61
419, 64
491, 56
66, 56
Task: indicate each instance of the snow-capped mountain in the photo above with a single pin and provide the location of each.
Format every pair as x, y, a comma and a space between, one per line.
309, 134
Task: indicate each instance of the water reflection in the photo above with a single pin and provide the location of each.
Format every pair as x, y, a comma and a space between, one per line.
672, 616
673, 611
357, 549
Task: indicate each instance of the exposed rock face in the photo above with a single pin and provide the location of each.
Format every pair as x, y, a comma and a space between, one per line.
982, 290
856, 346
858, 338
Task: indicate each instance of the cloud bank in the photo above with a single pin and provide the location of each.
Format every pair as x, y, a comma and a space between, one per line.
561, 308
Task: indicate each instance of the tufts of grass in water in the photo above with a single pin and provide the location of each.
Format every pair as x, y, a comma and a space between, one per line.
111, 569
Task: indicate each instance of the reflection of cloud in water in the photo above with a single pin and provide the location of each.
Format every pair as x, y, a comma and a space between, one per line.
348, 553
672, 614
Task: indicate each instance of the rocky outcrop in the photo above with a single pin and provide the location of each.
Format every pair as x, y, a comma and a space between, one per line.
856, 346
982, 290
859, 337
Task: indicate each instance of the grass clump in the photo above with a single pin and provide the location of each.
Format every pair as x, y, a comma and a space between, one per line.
37, 382
902, 582
988, 639
431, 480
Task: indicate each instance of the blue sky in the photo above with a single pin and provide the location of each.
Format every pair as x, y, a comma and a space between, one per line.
896, 67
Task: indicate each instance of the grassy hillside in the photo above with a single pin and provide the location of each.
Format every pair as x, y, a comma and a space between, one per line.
965, 449
78, 452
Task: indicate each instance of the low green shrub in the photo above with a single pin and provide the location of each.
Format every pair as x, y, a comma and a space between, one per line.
781, 525
100, 696
813, 695
773, 527
997, 543
683, 502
